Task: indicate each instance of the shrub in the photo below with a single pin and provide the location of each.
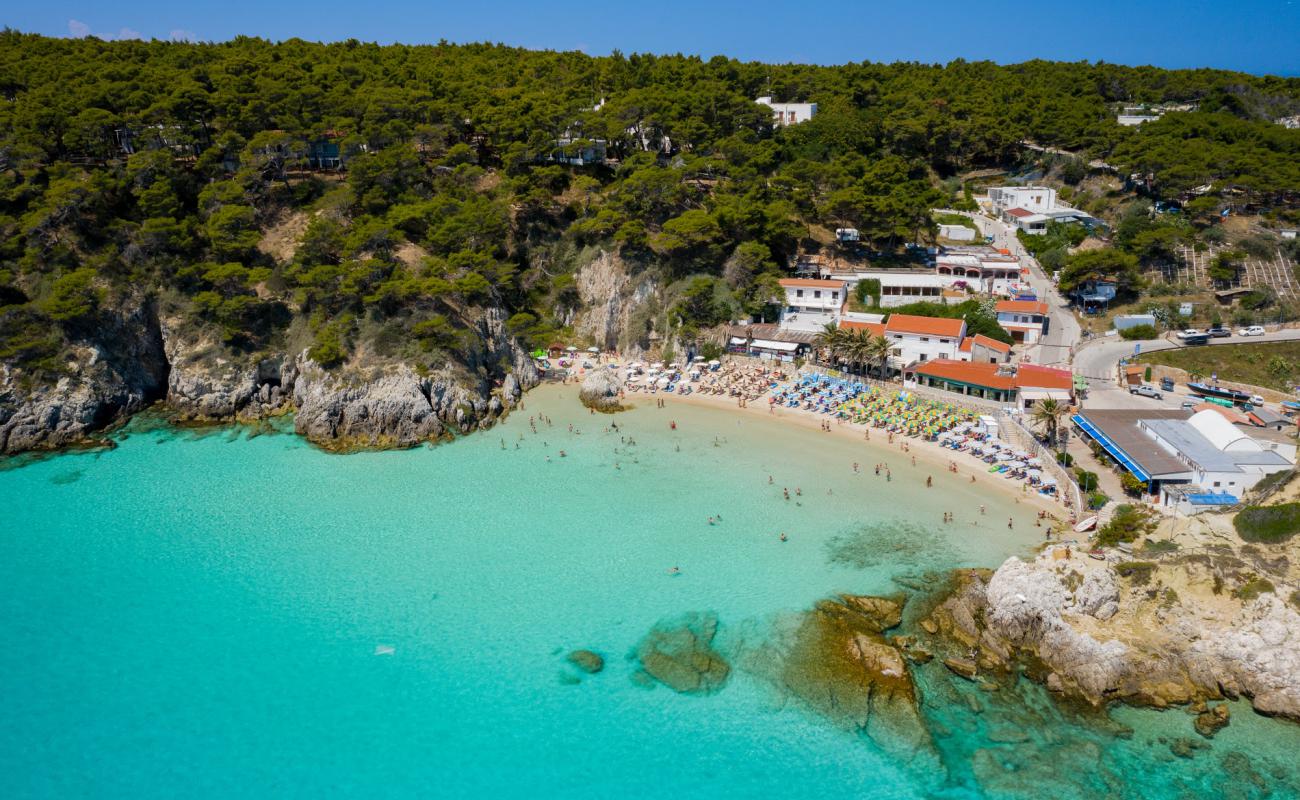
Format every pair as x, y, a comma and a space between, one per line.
1137, 571
1268, 524
1087, 480
1139, 332
1064, 459
1254, 588
1097, 499
1128, 523
1132, 484
1159, 546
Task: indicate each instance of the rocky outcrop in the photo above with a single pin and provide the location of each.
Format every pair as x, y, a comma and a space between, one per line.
1090, 637
207, 383
136, 359
679, 654
601, 389
612, 296
119, 371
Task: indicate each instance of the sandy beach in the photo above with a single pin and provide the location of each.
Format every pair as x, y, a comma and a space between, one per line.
931, 459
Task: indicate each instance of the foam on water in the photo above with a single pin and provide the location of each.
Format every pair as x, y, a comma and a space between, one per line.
207, 615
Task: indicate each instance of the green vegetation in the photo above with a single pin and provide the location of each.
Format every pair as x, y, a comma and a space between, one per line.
958, 219
1268, 524
1253, 588
1139, 572
1126, 524
1273, 365
1139, 333
428, 186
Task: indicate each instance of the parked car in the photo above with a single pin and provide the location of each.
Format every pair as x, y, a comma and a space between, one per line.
1189, 404
1253, 330
1256, 401
1166, 384
1190, 332
1146, 391
1219, 332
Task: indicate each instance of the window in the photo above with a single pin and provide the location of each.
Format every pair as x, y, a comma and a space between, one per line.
798, 292
944, 341
817, 293
898, 351
925, 338
1216, 483
922, 357
835, 295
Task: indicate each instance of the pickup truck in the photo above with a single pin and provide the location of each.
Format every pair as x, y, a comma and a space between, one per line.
1146, 391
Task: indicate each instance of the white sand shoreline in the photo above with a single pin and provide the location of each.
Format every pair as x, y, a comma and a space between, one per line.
929, 452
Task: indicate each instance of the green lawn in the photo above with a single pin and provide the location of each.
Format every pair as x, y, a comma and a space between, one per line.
956, 219
1273, 365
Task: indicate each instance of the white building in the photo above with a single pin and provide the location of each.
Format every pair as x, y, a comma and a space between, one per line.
957, 233
810, 303
1220, 457
1035, 199
1130, 120
981, 269
923, 338
789, 113
1025, 320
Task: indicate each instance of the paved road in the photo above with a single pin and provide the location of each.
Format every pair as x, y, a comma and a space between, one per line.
1098, 360
1063, 331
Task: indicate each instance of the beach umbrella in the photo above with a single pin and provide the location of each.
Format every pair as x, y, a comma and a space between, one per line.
571, 349
593, 349
715, 362
699, 358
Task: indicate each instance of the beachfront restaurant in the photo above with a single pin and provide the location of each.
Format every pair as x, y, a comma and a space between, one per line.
769, 342
988, 381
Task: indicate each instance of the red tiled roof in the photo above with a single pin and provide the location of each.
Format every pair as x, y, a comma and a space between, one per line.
981, 339
1019, 212
1022, 307
1038, 377
966, 372
812, 282
926, 326
874, 328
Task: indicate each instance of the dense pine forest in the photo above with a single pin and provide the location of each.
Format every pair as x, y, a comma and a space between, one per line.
417, 185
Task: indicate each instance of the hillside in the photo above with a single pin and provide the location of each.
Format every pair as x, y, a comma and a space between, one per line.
214, 224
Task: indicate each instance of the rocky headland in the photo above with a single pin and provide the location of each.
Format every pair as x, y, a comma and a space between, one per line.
137, 358
1193, 615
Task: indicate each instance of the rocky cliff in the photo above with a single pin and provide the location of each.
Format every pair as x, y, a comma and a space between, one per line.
118, 371
618, 303
1168, 631
136, 359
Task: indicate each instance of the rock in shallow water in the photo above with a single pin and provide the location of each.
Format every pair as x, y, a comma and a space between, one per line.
679, 654
600, 390
1211, 721
587, 661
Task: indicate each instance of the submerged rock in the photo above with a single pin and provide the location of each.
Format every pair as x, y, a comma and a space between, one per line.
879, 613
600, 390
679, 654
587, 661
1211, 721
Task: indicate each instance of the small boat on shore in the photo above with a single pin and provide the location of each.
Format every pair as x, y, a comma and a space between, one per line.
1086, 524
1221, 392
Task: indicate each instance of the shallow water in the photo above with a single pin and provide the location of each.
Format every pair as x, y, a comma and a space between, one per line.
205, 614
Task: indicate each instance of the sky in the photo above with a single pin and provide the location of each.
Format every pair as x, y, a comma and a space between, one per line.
1259, 36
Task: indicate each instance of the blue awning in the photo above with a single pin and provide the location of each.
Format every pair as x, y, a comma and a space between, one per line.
1115, 450
1212, 499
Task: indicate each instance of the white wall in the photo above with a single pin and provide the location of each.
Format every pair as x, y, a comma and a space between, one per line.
914, 349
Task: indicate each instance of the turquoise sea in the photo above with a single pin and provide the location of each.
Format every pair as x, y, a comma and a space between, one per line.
214, 614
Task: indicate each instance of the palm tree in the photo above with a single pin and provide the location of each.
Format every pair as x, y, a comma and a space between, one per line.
832, 339
878, 350
856, 348
1047, 415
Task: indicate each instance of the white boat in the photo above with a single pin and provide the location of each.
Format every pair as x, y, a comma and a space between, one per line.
1086, 524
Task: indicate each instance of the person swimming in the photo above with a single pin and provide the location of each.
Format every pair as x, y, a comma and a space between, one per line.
675, 571
784, 538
